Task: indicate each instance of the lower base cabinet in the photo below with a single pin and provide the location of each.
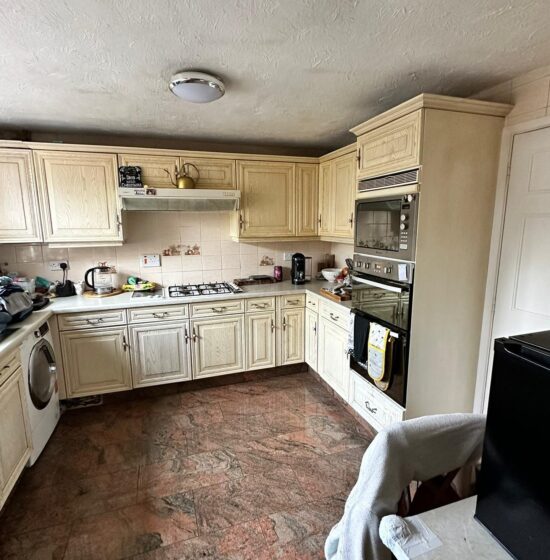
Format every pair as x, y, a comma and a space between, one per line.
160, 353
218, 346
97, 361
333, 357
15, 440
311, 342
260, 340
292, 336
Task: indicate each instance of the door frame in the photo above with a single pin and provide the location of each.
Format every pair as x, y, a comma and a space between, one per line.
485, 357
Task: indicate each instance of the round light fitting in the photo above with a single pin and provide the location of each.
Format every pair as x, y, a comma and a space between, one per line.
196, 87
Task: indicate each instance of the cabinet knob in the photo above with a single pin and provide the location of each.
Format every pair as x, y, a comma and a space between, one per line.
125, 345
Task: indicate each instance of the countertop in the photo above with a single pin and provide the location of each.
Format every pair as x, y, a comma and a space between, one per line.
75, 304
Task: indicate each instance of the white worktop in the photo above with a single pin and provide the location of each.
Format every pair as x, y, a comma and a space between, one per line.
75, 304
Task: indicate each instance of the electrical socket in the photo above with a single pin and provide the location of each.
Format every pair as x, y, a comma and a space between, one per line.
54, 266
288, 256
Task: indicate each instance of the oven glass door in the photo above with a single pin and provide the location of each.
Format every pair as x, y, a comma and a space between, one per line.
377, 225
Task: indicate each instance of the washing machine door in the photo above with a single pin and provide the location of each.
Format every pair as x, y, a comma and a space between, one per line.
42, 374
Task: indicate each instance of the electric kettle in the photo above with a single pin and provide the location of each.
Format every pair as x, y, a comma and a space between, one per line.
101, 279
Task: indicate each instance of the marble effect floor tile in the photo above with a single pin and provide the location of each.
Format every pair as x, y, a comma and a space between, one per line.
256, 470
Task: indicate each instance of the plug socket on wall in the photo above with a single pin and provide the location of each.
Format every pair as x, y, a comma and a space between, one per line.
55, 266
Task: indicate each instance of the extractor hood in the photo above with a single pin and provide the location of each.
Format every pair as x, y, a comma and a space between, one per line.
186, 200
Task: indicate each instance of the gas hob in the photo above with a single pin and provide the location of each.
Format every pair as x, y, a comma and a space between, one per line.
206, 289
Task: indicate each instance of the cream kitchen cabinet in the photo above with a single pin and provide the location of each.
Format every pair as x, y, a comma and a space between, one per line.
326, 194
160, 353
333, 357
307, 199
78, 197
292, 336
19, 211
15, 440
96, 361
218, 345
214, 173
260, 340
153, 168
311, 338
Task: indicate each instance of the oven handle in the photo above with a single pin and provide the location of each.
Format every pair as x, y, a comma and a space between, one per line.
378, 285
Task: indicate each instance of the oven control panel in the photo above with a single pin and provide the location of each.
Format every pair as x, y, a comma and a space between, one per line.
400, 271
405, 221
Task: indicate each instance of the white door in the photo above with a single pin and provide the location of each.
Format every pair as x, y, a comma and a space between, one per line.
292, 339
260, 340
333, 357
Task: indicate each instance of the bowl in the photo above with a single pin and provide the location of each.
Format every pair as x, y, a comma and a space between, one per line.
330, 274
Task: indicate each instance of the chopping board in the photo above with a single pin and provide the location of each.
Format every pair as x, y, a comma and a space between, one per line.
94, 295
334, 297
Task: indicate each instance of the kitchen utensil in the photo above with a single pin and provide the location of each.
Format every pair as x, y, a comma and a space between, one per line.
99, 279
66, 287
298, 270
183, 179
330, 274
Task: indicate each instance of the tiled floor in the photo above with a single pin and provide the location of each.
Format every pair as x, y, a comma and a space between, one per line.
257, 470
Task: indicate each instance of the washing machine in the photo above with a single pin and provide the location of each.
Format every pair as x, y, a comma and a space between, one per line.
40, 372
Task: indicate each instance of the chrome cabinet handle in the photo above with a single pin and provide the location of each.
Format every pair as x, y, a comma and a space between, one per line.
125, 345
315, 329
334, 317
272, 325
369, 408
94, 321
118, 221
320, 221
194, 337
358, 158
284, 324
219, 309
186, 336
162, 315
293, 301
351, 219
260, 305
241, 221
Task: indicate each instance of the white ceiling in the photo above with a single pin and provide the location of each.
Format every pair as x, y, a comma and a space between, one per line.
298, 72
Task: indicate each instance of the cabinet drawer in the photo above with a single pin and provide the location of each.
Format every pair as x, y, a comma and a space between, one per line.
156, 314
312, 302
89, 320
337, 315
298, 300
260, 304
217, 308
8, 364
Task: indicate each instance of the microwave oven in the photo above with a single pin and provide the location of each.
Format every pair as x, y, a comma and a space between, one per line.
385, 226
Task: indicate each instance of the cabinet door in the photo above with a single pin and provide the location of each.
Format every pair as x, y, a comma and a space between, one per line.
79, 196
344, 195
312, 319
160, 353
326, 205
15, 442
96, 361
392, 147
292, 340
307, 196
260, 340
333, 356
19, 216
153, 168
214, 173
218, 346
267, 199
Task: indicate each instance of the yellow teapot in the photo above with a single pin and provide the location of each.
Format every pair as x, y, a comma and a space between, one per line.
183, 176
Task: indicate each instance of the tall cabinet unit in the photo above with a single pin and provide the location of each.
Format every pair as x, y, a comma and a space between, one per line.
19, 211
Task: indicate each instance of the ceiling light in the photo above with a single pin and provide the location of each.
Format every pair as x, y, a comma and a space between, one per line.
196, 87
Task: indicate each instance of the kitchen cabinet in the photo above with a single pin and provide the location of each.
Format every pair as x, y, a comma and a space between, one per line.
96, 361
394, 146
160, 353
268, 194
19, 211
214, 173
337, 187
260, 340
311, 342
333, 357
307, 199
15, 440
78, 197
218, 346
292, 336
153, 168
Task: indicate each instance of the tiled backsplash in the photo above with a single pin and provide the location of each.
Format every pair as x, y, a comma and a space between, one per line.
194, 247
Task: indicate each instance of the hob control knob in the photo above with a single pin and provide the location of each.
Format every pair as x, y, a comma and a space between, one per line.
402, 226
403, 217
410, 198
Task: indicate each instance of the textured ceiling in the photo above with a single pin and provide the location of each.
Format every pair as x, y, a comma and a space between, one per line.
298, 72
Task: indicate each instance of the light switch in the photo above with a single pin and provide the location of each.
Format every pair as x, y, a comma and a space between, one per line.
149, 261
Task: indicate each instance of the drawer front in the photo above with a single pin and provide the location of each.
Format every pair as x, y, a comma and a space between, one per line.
157, 314
337, 315
90, 320
312, 302
217, 308
260, 304
288, 302
8, 365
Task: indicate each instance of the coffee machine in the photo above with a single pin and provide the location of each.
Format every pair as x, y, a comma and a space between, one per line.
298, 270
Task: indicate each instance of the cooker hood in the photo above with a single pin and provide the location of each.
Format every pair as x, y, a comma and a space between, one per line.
186, 200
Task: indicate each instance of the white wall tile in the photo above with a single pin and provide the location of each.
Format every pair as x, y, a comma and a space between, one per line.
28, 254
230, 247
229, 274
192, 277
191, 262
213, 262
248, 248
212, 275
209, 248
171, 263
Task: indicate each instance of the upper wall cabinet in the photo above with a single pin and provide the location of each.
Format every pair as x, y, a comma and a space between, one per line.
391, 147
267, 200
307, 196
153, 168
78, 194
214, 173
19, 215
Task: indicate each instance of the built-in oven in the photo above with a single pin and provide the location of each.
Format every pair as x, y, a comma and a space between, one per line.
385, 226
382, 294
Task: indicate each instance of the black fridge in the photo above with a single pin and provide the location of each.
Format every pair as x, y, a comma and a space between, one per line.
514, 484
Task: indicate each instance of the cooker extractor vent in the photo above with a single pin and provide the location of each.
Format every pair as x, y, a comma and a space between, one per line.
395, 180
